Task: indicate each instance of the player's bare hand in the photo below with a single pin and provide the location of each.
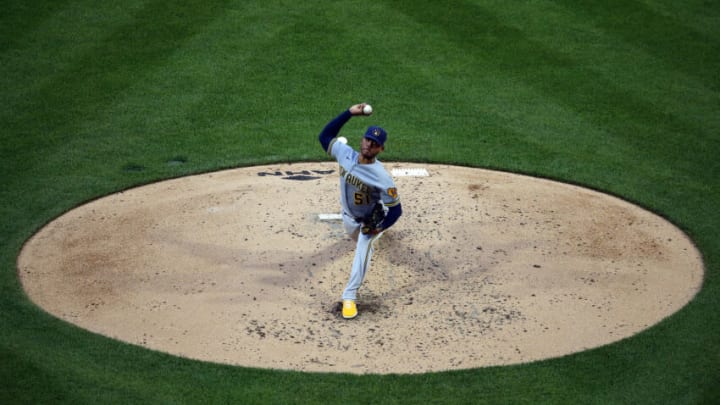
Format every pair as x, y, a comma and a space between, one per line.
357, 109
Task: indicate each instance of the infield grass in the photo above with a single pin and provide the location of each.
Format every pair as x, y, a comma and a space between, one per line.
618, 96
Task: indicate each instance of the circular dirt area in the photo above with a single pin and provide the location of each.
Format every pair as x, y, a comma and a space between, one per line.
247, 266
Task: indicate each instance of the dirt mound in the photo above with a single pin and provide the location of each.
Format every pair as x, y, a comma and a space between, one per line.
484, 268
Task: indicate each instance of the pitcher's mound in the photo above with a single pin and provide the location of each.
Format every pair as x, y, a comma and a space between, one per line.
484, 268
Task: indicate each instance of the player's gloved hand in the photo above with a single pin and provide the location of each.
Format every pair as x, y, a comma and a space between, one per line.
371, 224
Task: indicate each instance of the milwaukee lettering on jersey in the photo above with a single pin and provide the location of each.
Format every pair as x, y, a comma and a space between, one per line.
353, 181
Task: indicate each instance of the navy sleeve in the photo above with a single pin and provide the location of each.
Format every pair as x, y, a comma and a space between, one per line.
333, 128
393, 214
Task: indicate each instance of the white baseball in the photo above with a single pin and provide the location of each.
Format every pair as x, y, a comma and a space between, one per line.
342, 139
367, 110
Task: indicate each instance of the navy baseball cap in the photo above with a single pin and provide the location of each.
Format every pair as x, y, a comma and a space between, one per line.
376, 134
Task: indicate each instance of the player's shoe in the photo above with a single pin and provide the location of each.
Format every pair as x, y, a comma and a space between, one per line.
349, 309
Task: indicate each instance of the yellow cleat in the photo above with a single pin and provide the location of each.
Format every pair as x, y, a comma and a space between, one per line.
349, 310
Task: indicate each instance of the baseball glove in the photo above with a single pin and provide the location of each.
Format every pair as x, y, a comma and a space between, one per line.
371, 223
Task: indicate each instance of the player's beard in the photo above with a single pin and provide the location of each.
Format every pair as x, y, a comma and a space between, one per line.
367, 155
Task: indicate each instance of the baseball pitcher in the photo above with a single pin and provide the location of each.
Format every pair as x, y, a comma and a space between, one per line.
368, 196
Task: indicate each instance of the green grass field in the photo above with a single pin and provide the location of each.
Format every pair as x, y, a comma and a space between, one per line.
619, 96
